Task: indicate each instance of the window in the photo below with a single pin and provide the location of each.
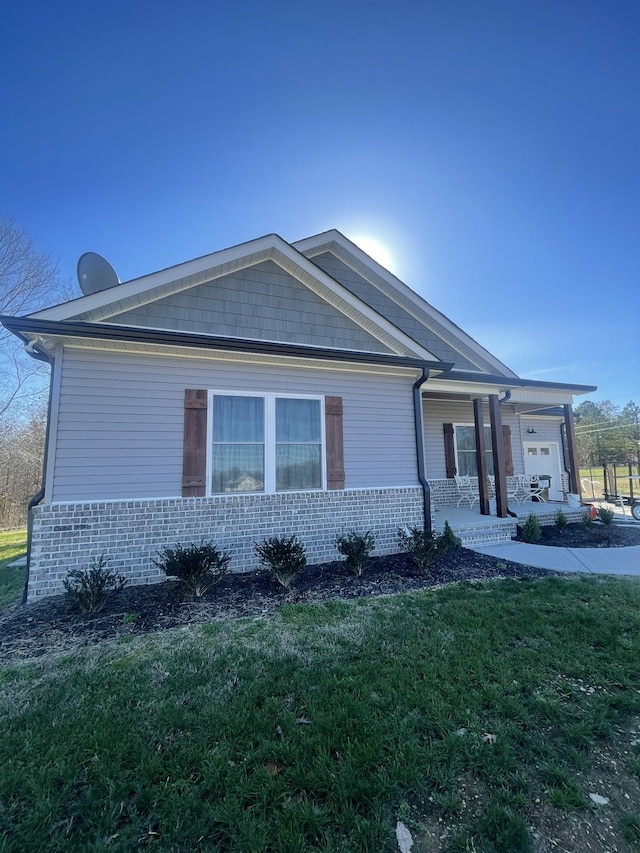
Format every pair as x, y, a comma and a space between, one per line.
265, 443
465, 439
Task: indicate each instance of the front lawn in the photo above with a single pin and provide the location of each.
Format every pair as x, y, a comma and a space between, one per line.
13, 544
472, 712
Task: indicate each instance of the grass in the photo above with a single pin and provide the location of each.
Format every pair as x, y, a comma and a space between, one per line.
313, 729
12, 544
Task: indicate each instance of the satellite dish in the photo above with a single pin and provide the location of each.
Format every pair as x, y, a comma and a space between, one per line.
95, 273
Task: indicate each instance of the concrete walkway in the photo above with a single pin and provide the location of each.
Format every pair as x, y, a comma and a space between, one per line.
602, 561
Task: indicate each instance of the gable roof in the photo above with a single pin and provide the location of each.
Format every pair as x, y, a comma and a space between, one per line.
410, 307
100, 307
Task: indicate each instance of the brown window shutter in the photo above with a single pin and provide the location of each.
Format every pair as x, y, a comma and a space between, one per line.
194, 458
508, 451
449, 451
335, 444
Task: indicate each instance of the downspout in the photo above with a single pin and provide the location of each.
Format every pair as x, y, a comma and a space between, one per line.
417, 410
30, 348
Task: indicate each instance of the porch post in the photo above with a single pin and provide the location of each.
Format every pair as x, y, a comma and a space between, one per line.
499, 459
572, 461
481, 456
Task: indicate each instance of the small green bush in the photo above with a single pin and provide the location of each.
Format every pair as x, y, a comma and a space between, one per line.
420, 545
447, 540
284, 557
531, 529
88, 590
197, 567
605, 515
356, 547
561, 520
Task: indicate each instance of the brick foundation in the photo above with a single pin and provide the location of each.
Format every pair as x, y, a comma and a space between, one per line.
129, 533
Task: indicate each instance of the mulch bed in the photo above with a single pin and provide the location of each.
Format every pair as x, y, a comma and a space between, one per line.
49, 625
598, 535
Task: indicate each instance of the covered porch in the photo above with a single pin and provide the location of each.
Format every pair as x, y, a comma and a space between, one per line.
473, 528
503, 434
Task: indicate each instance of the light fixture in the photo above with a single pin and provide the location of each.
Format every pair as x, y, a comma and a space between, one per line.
531, 431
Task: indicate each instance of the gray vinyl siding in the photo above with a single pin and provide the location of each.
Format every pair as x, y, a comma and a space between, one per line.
370, 295
120, 425
262, 302
438, 412
546, 429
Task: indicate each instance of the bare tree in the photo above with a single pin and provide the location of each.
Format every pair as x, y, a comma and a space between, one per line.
21, 454
29, 280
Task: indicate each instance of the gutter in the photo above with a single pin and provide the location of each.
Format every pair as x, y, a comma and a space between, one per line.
21, 326
417, 411
514, 381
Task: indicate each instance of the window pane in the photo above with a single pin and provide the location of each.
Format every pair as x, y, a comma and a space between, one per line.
465, 438
237, 468
238, 418
466, 447
298, 466
297, 420
467, 464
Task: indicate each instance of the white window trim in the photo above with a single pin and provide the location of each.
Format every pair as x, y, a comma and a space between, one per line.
269, 440
488, 447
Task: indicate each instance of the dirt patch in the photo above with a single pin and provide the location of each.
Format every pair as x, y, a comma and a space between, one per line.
596, 828
49, 625
596, 535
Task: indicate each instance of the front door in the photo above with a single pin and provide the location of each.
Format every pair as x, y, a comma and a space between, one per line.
544, 458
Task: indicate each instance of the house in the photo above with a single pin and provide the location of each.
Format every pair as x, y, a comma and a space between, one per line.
270, 388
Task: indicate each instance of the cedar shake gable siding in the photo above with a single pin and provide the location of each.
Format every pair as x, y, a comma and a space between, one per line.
262, 302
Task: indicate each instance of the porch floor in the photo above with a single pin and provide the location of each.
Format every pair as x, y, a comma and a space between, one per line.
475, 529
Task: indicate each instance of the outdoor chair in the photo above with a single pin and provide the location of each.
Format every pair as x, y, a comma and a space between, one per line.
492, 486
467, 490
519, 488
536, 491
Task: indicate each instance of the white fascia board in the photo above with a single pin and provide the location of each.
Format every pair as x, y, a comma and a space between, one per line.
398, 291
100, 306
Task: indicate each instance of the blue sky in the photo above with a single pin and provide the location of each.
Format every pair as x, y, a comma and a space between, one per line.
493, 148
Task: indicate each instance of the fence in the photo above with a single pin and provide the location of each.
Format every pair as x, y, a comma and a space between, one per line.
617, 481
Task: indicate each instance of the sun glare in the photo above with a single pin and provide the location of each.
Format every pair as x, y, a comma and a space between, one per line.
374, 248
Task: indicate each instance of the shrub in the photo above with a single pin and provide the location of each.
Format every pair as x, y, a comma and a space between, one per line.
531, 529
561, 520
87, 590
356, 547
285, 557
197, 567
420, 545
605, 515
447, 540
